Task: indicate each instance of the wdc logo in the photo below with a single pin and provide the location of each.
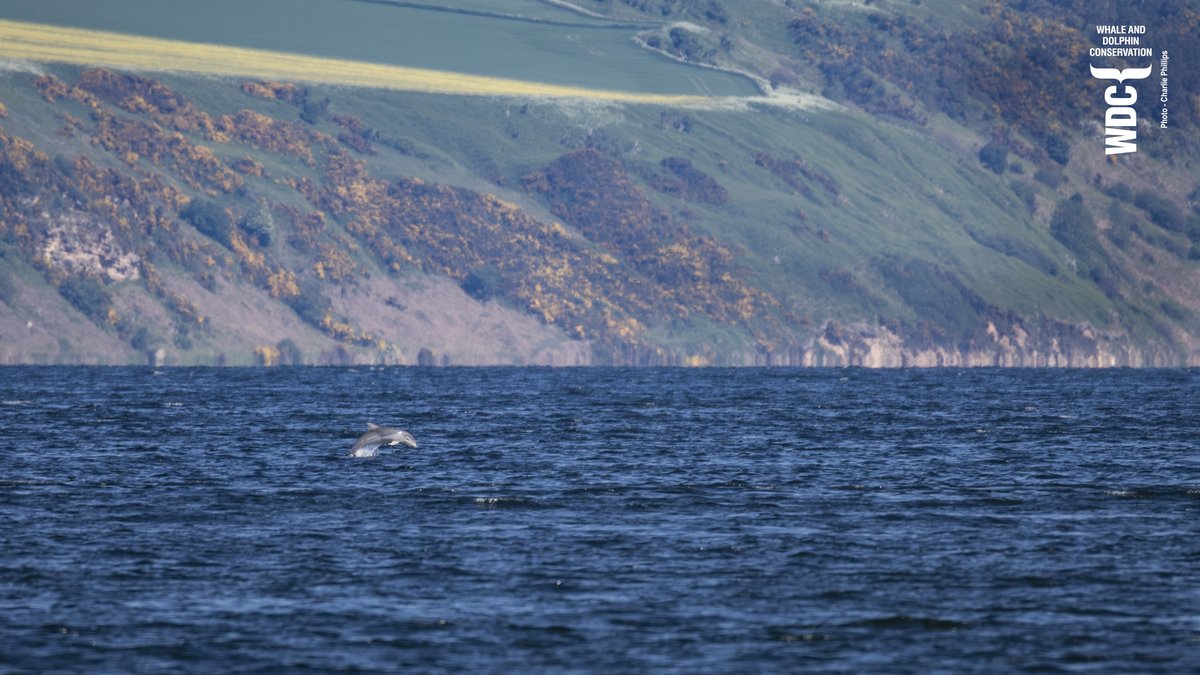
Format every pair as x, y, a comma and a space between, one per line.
1120, 119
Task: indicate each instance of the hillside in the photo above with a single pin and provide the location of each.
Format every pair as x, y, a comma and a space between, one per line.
863, 210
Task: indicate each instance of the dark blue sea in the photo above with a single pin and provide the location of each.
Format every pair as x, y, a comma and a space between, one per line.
600, 520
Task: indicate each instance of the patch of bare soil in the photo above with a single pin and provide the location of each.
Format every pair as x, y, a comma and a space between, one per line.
40, 327
418, 311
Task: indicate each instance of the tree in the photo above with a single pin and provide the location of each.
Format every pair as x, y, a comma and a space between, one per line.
1073, 225
87, 295
1058, 149
310, 305
143, 339
209, 219
259, 224
313, 111
994, 156
484, 283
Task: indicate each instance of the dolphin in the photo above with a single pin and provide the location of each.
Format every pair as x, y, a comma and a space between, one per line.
368, 443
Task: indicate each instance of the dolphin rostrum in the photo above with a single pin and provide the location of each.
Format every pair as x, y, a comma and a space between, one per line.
368, 443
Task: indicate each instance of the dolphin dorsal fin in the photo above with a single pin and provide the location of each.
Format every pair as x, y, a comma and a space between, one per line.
372, 427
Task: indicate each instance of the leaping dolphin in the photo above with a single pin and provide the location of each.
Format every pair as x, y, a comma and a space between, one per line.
369, 443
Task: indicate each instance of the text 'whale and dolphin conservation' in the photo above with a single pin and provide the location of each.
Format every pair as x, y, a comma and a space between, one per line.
369, 443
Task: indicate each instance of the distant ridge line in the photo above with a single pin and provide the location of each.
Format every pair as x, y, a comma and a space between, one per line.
403, 4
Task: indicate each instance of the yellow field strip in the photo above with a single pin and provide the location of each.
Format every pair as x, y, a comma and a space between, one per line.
56, 44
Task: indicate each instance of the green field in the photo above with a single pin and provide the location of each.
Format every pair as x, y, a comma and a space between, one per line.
20, 41
560, 48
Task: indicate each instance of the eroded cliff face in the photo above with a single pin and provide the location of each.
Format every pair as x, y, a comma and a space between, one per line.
75, 244
1056, 346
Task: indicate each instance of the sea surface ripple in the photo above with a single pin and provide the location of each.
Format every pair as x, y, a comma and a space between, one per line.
614, 520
